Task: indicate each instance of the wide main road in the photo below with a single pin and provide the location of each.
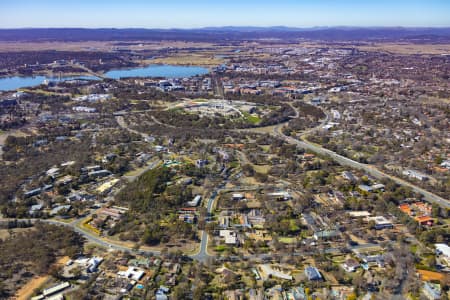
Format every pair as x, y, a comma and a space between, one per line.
93, 238
202, 254
370, 169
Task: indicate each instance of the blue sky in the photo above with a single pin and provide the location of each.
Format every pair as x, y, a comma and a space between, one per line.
201, 13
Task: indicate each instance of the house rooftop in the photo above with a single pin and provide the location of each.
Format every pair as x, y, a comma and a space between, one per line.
359, 214
443, 248
134, 273
312, 273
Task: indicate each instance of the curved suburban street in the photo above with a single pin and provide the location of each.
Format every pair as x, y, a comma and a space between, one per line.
275, 130
97, 239
203, 254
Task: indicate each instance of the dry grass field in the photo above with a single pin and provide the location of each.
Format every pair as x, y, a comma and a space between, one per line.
391, 47
59, 46
96, 46
106, 46
407, 48
193, 59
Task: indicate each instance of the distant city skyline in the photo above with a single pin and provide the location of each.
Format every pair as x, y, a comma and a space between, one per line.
203, 13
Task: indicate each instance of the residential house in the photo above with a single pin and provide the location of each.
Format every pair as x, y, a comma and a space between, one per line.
195, 202
34, 209
64, 180
359, 214
381, 222
93, 263
57, 209
432, 291
52, 172
133, 273
444, 251
313, 274
282, 195
229, 236
350, 265
161, 293
55, 289
326, 234
377, 259
237, 196
200, 163
425, 220
371, 188
84, 109
99, 173
32, 193
268, 271
415, 175
349, 176
224, 221
446, 164
188, 218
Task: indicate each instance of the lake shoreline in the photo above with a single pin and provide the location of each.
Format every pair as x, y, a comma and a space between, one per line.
15, 82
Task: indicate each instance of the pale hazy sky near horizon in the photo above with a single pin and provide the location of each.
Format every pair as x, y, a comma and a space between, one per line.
203, 13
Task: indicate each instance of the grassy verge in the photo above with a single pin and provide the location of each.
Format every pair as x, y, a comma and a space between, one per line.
251, 118
197, 60
85, 224
287, 240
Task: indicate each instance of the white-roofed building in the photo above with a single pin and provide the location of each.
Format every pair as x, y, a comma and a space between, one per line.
359, 214
93, 263
381, 222
195, 202
133, 273
282, 195
237, 196
268, 271
444, 251
229, 236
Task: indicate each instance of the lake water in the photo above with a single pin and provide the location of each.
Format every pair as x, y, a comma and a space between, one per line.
168, 71
17, 82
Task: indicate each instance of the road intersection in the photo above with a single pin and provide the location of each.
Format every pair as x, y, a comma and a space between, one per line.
202, 254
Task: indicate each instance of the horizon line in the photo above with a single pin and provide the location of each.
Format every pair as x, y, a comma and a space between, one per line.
238, 26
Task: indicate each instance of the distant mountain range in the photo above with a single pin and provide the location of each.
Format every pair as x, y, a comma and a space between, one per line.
228, 33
